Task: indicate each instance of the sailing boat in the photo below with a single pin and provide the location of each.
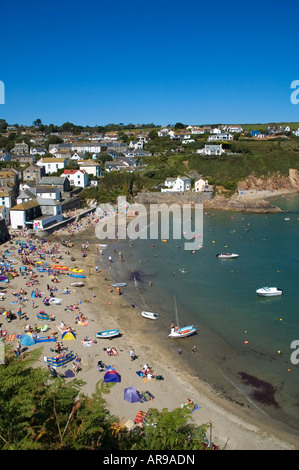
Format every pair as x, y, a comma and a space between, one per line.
181, 332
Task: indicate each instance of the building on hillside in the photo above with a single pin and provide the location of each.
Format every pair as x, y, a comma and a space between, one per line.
210, 149
90, 167
22, 215
179, 184
52, 165
20, 148
33, 173
201, 185
61, 183
220, 137
77, 178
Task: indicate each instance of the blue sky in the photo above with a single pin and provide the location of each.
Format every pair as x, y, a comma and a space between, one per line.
95, 62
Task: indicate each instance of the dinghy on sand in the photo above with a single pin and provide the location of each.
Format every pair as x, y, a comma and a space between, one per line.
108, 333
150, 315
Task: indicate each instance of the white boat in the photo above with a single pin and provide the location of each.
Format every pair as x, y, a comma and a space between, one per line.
119, 284
150, 315
77, 284
181, 332
102, 245
227, 255
54, 300
269, 291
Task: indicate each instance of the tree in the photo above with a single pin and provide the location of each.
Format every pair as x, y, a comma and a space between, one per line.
179, 125
37, 123
170, 430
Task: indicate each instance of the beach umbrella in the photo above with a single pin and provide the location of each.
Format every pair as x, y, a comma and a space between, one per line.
112, 376
131, 395
5, 312
68, 335
3, 278
27, 340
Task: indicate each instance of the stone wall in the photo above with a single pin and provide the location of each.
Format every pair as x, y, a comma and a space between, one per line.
188, 197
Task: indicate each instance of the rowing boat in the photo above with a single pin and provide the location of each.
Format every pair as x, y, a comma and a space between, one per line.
108, 333
150, 315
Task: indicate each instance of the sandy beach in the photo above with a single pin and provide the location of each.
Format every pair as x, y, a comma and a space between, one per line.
234, 427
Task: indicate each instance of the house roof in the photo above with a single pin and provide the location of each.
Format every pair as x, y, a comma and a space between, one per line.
53, 160
25, 205
46, 189
52, 180
72, 172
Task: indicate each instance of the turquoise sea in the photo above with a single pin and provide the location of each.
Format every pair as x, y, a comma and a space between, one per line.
240, 335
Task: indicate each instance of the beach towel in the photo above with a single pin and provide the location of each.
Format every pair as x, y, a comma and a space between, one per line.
11, 337
44, 339
146, 396
140, 417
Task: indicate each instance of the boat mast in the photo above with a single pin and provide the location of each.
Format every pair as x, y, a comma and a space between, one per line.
176, 313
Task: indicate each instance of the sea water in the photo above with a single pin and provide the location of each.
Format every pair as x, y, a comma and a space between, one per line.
237, 331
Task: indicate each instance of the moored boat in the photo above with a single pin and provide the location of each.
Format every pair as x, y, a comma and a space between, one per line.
182, 332
227, 255
150, 315
108, 333
269, 291
119, 284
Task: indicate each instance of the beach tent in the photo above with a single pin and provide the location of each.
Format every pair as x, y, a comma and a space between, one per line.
27, 340
69, 373
3, 278
68, 335
111, 376
131, 395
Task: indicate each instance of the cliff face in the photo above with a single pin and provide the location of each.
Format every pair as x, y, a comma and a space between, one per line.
244, 205
276, 182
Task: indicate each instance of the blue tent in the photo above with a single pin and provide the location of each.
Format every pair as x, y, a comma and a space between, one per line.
131, 395
111, 376
27, 340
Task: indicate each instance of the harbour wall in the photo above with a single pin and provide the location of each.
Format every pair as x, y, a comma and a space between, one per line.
174, 197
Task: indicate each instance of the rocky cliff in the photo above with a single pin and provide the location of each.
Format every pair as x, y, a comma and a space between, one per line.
276, 182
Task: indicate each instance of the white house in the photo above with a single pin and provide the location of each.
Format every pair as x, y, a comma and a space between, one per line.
197, 131
37, 151
5, 198
48, 192
77, 178
211, 150
201, 185
224, 137
296, 133
179, 135
179, 184
51, 165
90, 167
22, 215
215, 130
189, 141
163, 132
136, 144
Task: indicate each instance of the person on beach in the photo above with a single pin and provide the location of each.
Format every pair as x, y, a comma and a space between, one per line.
132, 355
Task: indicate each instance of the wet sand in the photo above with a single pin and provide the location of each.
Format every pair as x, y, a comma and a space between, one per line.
236, 423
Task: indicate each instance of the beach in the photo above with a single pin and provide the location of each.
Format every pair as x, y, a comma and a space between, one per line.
235, 425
